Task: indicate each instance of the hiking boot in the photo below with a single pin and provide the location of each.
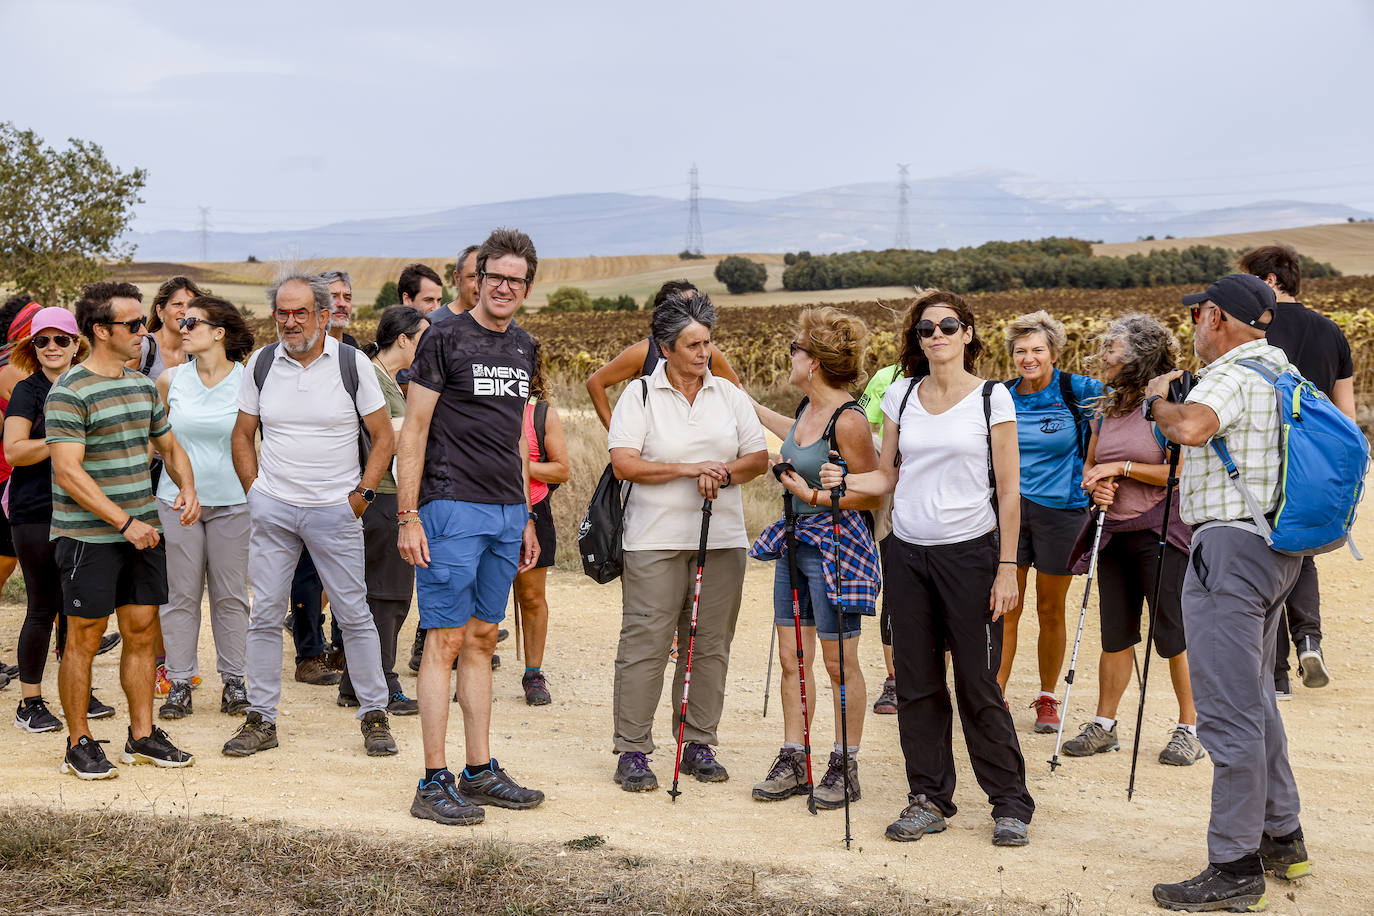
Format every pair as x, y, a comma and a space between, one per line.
178, 705
347, 700
377, 738
34, 717
401, 705
700, 761
98, 710
234, 698
438, 800
108, 642
315, 671
536, 689
1183, 749
495, 787
632, 773
87, 760
786, 777
1311, 666
1282, 689
162, 685
417, 651
333, 659
1093, 739
886, 704
255, 734
1213, 890
1285, 858
830, 793
1046, 714
1010, 831
917, 819
156, 749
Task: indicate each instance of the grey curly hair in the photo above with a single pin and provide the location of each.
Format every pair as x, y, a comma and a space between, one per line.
1148, 349
1042, 322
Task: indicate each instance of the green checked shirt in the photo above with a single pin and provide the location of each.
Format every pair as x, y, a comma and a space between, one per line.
1245, 404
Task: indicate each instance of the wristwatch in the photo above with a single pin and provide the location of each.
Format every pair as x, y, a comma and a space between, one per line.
1147, 408
367, 495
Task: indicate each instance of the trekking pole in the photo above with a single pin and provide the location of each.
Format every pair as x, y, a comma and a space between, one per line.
790, 530
691, 641
768, 677
1135, 657
1154, 605
1078, 637
835, 496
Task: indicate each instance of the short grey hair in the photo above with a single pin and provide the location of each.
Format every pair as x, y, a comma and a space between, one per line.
676, 312
319, 288
329, 276
1041, 322
463, 256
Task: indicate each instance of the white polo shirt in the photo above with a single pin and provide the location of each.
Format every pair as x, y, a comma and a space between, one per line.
719, 425
309, 451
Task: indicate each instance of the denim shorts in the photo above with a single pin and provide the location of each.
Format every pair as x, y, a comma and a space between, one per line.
814, 603
474, 552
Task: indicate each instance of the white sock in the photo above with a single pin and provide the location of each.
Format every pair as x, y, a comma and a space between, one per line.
1046, 693
1192, 729
853, 749
1106, 723
791, 746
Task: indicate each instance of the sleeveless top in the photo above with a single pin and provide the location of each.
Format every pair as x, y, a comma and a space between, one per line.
202, 419
806, 461
539, 491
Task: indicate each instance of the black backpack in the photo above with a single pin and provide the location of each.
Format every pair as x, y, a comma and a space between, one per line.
599, 537
541, 413
348, 371
1082, 429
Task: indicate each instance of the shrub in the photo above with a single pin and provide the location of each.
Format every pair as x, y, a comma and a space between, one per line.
741, 275
688, 254
569, 299
388, 295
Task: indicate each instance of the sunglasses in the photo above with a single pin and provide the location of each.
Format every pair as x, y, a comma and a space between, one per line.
1197, 311
189, 324
133, 324
794, 348
62, 340
948, 327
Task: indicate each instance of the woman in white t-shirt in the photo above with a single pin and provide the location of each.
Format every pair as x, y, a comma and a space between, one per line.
679, 435
947, 434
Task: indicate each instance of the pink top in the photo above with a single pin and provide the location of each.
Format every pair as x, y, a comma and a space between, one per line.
539, 491
1130, 438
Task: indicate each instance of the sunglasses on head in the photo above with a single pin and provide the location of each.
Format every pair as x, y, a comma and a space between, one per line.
133, 324
62, 340
189, 324
948, 327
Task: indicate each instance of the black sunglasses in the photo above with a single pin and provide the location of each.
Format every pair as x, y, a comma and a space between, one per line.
62, 340
189, 324
794, 347
133, 324
948, 327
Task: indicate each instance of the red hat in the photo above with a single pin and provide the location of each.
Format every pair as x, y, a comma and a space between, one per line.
19, 328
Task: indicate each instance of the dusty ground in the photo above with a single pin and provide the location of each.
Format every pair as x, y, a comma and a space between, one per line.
1092, 851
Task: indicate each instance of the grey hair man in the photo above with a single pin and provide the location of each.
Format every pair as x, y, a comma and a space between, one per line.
340, 286
465, 281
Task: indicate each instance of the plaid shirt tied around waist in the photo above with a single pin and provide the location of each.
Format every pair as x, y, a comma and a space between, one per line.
859, 571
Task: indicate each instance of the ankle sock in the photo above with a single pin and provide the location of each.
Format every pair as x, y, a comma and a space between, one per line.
431, 773
472, 771
853, 749
1046, 693
1248, 866
529, 670
1293, 837
793, 746
1106, 723
1192, 729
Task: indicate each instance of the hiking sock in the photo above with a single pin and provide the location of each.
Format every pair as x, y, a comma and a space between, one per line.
1248, 866
529, 670
1106, 723
472, 771
853, 749
792, 746
161, 660
1046, 693
431, 773
1192, 729
1293, 837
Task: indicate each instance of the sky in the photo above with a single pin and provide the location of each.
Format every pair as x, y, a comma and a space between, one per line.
290, 114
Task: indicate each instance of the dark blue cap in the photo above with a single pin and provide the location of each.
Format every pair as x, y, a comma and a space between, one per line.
1242, 296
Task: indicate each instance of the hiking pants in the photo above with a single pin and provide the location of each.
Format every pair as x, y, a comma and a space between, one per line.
390, 584
1301, 617
213, 552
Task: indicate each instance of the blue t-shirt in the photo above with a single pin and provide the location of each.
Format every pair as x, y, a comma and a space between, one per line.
1051, 469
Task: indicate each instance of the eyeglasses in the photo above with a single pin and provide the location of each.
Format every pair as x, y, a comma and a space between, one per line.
189, 324
62, 340
494, 281
794, 348
948, 327
285, 315
1197, 311
133, 324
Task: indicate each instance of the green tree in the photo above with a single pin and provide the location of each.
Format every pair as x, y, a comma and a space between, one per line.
61, 213
741, 275
388, 295
569, 299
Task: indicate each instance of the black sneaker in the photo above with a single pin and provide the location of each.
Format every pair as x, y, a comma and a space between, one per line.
917, 819
178, 705
494, 787
1286, 859
10, 672
156, 749
255, 734
1213, 890
536, 689
495, 661
1282, 689
108, 642
34, 717
234, 698
1311, 665
632, 773
700, 761
401, 705
377, 739
87, 760
417, 651
98, 710
347, 700
4, 680
502, 634
438, 800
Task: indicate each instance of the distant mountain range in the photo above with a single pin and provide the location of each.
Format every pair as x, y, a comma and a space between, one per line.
953, 211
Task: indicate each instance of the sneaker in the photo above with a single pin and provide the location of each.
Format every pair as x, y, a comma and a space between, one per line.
786, 777
495, 787
536, 689
502, 634
1211, 890
347, 700
886, 704
255, 734
315, 671
34, 717
1183, 749
178, 705
700, 761
917, 819
377, 735
4, 680
156, 749
1285, 859
632, 773
1093, 739
1282, 689
830, 793
1311, 666
108, 642
1010, 831
10, 672
438, 800
87, 760
162, 685
234, 698
1046, 714
98, 710
495, 661
417, 651
401, 705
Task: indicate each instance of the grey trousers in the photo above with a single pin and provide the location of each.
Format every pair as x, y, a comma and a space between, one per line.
1233, 592
211, 553
656, 593
334, 538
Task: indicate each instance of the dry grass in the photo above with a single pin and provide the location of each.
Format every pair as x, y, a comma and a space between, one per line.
1349, 247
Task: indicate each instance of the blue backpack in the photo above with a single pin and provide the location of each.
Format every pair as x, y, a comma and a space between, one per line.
1323, 458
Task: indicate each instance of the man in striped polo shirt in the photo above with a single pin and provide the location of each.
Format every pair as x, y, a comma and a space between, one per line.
100, 419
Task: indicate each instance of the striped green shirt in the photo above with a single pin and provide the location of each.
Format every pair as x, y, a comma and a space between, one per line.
113, 418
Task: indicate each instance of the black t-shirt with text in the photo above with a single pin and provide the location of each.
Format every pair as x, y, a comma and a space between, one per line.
483, 381
31, 485
1313, 343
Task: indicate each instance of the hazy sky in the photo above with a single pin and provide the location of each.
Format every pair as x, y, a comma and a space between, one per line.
290, 114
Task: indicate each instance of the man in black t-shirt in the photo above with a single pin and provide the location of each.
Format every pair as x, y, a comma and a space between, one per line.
465, 519
1317, 346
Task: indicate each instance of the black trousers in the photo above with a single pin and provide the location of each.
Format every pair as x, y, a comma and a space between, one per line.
390, 583
1302, 616
307, 611
940, 600
43, 583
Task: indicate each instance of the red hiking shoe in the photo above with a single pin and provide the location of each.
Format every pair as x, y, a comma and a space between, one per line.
1046, 714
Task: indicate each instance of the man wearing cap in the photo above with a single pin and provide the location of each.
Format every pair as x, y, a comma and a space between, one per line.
1233, 592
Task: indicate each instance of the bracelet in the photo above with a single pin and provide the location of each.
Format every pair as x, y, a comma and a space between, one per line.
407, 512
1126, 471
127, 522
1007, 563
406, 521
814, 493
729, 476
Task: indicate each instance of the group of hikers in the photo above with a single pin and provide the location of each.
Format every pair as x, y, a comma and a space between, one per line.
159, 456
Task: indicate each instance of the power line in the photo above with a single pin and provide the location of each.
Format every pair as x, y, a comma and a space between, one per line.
903, 239
695, 241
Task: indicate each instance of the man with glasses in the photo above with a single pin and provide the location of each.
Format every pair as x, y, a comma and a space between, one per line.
465, 520
305, 492
100, 418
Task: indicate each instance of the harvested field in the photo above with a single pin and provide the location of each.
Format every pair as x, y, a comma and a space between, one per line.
1349, 247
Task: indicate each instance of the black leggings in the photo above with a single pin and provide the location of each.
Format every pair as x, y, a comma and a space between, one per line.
42, 581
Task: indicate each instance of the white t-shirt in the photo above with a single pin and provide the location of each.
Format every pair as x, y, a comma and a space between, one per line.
309, 427
720, 425
942, 494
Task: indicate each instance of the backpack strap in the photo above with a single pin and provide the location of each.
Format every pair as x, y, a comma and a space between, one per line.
901, 409
264, 364
831, 434
651, 358
987, 421
1266, 531
541, 413
149, 354
348, 371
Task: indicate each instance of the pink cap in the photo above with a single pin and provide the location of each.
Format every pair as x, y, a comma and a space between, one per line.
53, 318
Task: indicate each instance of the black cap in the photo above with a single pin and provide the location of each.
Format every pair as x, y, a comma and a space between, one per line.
1242, 296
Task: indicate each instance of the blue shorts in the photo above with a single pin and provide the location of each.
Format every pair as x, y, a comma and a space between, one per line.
816, 609
474, 552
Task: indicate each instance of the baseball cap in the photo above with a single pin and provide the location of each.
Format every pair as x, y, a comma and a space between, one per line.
1242, 296
53, 318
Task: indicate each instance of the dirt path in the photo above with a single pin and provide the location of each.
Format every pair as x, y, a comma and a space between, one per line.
1092, 851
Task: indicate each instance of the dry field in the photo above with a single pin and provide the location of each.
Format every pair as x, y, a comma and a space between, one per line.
1349, 247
